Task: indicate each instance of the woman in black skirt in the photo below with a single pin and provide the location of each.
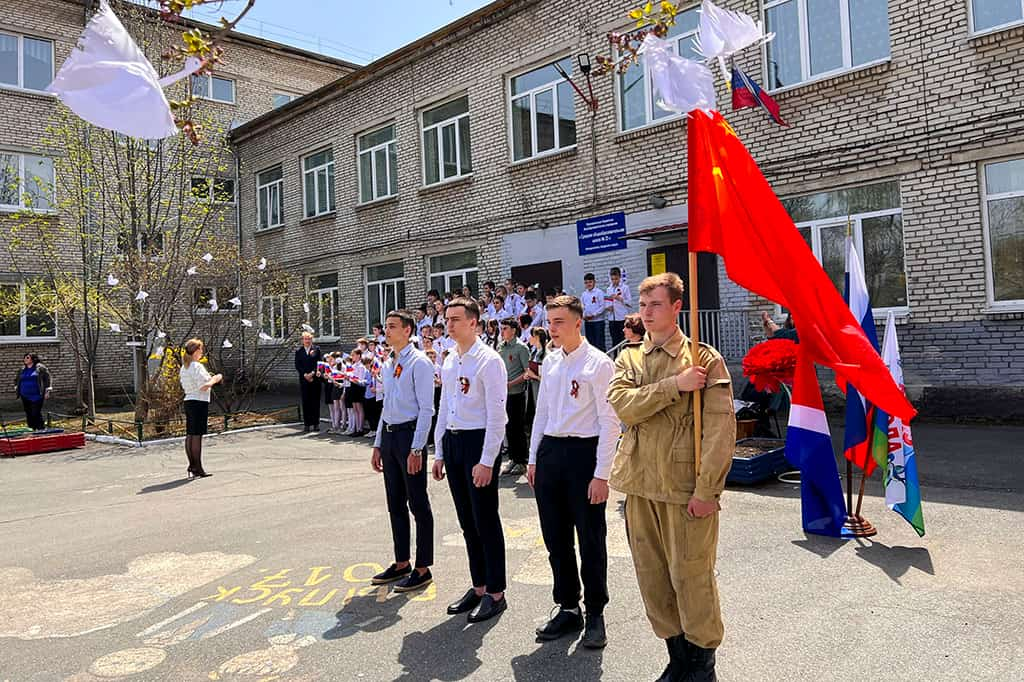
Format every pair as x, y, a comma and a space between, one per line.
196, 382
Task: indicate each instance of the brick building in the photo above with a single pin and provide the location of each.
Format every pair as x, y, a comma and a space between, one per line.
445, 162
35, 39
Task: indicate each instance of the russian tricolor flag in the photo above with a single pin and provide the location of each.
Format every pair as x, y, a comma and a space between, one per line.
809, 447
859, 417
747, 93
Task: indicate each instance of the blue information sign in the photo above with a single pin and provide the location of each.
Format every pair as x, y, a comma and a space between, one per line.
601, 233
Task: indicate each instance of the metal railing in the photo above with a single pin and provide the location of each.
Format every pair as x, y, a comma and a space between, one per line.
727, 330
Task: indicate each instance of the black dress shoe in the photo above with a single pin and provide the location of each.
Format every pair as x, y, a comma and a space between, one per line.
414, 581
467, 603
563, 623
487, 609
594, 636
390, 575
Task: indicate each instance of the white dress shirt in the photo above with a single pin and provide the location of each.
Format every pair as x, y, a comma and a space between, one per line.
474, 389
539, 316
617, 310
573, 402
192, 379
593, 304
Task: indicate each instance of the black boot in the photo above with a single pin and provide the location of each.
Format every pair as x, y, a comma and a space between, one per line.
701, 664
678, 662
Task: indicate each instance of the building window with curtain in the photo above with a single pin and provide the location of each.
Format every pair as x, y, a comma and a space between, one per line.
874, 218
1003, 199
385, 291
25, 62
378, 164
318, 183
270, 198
451, 272
26, 182
446, 151
272, 320
816, 39
543, 111
323, 304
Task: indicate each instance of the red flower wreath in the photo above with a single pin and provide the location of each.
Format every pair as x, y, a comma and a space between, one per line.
770, 364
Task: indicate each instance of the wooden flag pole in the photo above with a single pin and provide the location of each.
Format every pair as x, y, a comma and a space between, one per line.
695, 359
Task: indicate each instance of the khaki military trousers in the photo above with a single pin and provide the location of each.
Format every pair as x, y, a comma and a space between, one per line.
674, 555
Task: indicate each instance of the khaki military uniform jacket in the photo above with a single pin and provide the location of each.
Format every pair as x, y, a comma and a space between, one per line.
655, 457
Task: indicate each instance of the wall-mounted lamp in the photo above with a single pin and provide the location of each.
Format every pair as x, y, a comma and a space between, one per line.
657, 201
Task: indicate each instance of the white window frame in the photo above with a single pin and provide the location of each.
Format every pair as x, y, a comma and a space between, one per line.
23, 336
122, 141
551, 86
222, 304
805, 46
855, 222
276, 185
448, 274
649, 120
391, 281
1012, 305
314, 172
21, 206
371, 152
316, 313
277, 304
993, 29
211, 199
21, 61
291, 98
453, 121
209, 88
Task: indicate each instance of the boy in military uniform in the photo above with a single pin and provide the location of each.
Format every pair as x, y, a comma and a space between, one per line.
672, 510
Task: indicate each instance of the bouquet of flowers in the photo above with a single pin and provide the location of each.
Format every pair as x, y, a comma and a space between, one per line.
771, 364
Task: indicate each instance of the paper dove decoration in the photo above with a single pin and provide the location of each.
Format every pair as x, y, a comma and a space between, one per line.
307, 328
226, 344
266, 337
108, 81
682, 84
114, 327
235, 301
246, 323
724, 32
112, 281
191, 271
214, 307
160, 334
141, 296
305, 307
262, 264
208, 258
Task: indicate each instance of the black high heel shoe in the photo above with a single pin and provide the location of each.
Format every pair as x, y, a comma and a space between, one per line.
199, 473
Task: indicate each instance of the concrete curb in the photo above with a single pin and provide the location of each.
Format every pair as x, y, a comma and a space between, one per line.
114, 440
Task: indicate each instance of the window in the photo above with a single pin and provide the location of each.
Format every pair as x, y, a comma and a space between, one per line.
818, 38
270, 198
25, 62
378, 165
385, 291
223, 190
21, 321
318, 183
282, 98
201, 297
134, 142
543, 112
446, 152
876, 220
992, 15
1003, 188
272, 316
26, 182
453, 271
637, 105
323, 304
216, 88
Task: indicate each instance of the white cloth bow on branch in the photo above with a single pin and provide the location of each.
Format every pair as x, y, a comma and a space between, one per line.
108, 81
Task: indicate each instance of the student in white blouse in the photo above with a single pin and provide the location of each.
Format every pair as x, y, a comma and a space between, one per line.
470, 427
575, 432
196, 382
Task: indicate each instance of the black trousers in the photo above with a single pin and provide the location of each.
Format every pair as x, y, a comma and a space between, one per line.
433, 420
477, 508
515, 428
565, 467
310, 391
615, 328
34, 413
594, 331
372, 409
407, 493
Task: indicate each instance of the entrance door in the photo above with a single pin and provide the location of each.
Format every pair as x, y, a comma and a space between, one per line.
675, 258
547, 275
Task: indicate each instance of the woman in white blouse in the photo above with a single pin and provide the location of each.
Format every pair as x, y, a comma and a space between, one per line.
196, 382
